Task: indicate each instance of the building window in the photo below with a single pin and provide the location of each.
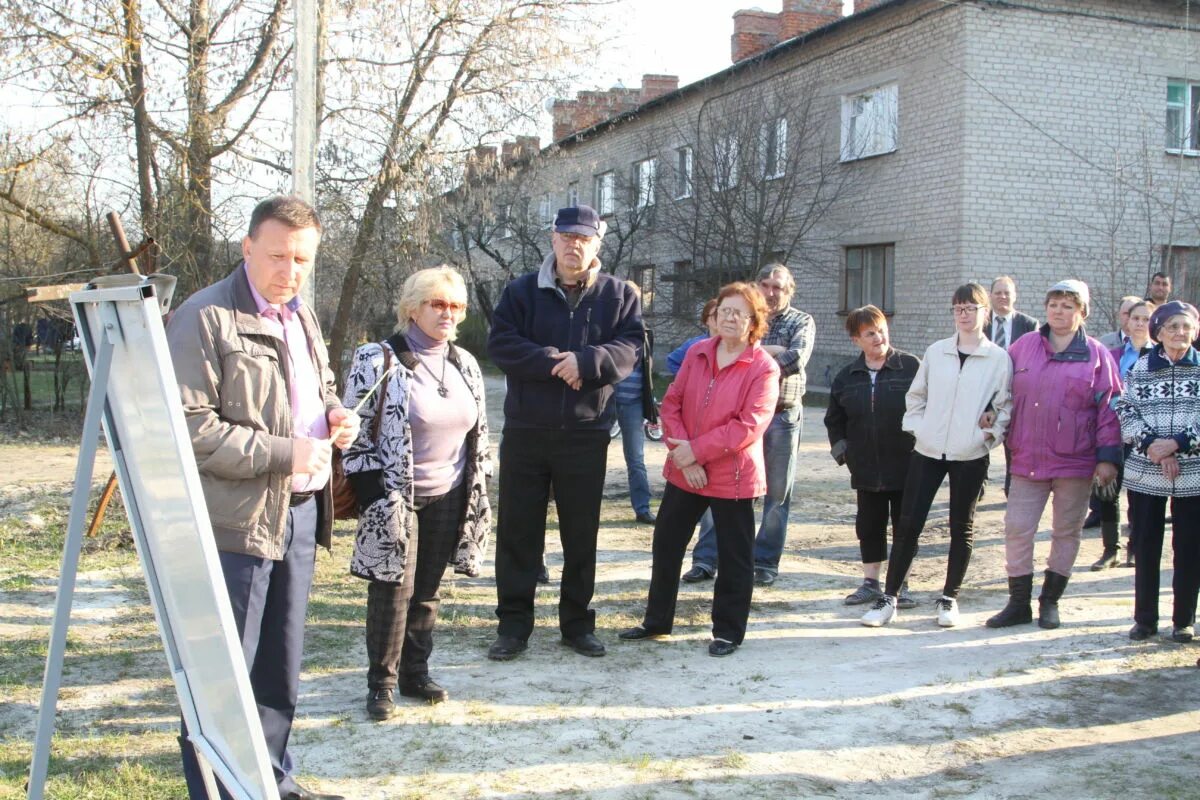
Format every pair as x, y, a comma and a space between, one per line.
725, 163
773, 147
572, 194
869, 122
505, 227
1183, 265
869, 277
604, 193
1183, 113
643, 183
545, 213
683, 173
683, 290
646, 279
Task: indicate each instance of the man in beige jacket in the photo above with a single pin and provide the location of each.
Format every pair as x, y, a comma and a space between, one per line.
263, 413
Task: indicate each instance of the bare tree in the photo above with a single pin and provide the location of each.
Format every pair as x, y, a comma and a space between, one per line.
437, 75
764, 178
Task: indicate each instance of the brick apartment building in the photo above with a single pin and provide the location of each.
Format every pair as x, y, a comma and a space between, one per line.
887, 156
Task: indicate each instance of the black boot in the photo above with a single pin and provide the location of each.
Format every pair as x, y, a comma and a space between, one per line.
1019, 610
1110, 534
1052, 589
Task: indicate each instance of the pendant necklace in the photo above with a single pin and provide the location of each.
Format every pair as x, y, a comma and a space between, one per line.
441, 382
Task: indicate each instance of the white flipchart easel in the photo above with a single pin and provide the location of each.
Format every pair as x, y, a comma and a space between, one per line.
134, 395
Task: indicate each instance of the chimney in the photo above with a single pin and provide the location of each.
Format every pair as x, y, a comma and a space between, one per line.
563, 113
754, 31
481, 163
801, 16
657, 85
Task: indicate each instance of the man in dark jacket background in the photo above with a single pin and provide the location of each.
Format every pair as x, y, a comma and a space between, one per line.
563, 336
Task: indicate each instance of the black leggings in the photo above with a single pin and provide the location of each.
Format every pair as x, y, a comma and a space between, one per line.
925, 477
871, 523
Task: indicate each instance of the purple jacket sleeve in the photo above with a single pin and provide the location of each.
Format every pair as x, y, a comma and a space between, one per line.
1108, 427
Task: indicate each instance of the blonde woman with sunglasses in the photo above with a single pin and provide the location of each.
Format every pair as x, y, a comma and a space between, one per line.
419, 474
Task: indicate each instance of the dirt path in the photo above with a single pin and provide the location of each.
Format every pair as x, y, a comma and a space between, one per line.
813, 705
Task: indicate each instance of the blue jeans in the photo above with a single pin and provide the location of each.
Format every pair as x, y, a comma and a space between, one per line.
633, 438
779, 453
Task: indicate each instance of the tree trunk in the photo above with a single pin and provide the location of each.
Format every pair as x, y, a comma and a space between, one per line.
198, 211
141, 126
339, 334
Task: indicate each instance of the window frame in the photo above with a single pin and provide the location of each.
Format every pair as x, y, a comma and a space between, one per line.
648, 285
645, 179
1184, 137
604, 193
773, 148
683, 172
572, 194
725, 163
860, 253
880, 106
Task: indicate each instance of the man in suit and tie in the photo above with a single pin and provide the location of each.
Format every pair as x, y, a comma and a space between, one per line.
1007, 324
1004, 327
1117, 338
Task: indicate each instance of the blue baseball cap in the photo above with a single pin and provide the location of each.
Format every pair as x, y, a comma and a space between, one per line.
578, 219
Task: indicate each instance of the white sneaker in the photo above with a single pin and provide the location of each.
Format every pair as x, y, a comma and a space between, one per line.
947, 611
882, 612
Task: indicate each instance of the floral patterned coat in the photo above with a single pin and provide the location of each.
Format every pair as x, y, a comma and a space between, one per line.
381, 545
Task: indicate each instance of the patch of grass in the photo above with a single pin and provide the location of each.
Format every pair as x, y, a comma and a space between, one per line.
145, 766
734, 759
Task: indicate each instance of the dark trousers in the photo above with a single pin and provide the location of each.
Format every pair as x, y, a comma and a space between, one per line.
270, 601
871, 523
1149, 520
925, 476
401, 616
531, 463
733, 520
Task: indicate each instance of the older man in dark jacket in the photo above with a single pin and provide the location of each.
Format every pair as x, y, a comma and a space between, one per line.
564, 336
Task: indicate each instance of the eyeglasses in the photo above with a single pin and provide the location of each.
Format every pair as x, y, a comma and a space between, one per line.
1180, 327
732, 313
966, 311
441, 306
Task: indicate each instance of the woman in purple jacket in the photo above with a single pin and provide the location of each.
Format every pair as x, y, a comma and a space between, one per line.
1063, 435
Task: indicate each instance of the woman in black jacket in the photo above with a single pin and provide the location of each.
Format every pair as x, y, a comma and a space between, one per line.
866, 407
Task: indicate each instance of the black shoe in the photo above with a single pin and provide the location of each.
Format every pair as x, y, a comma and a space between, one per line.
586, 644
1092, 520
762, 577
637, 633
300, 793
646, 517
424, 687
1183, 634
1110, 558
721, 647
379, 704
506, 648
697, 574
544, 575
1140, 632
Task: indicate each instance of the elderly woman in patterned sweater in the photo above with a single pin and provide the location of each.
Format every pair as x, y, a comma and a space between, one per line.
1160, 418
420, 481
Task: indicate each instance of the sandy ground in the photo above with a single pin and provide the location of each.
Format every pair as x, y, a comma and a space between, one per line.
813, 705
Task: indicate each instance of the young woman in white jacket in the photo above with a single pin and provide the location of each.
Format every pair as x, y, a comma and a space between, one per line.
957, 409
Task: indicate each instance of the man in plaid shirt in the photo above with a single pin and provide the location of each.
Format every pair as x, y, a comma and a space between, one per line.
789, 340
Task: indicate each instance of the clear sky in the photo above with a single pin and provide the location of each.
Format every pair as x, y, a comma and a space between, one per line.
688, 38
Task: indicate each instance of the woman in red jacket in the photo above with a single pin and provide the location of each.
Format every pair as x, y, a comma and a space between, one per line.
714, 416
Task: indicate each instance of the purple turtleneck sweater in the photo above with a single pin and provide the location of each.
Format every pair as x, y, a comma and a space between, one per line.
439, 424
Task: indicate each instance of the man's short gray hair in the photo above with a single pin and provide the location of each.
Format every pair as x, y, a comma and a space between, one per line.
785, 274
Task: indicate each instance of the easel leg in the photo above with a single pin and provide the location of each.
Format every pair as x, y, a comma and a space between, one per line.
70, 565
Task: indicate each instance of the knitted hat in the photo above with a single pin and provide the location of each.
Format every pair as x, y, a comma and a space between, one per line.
1168, 310
1074, 286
